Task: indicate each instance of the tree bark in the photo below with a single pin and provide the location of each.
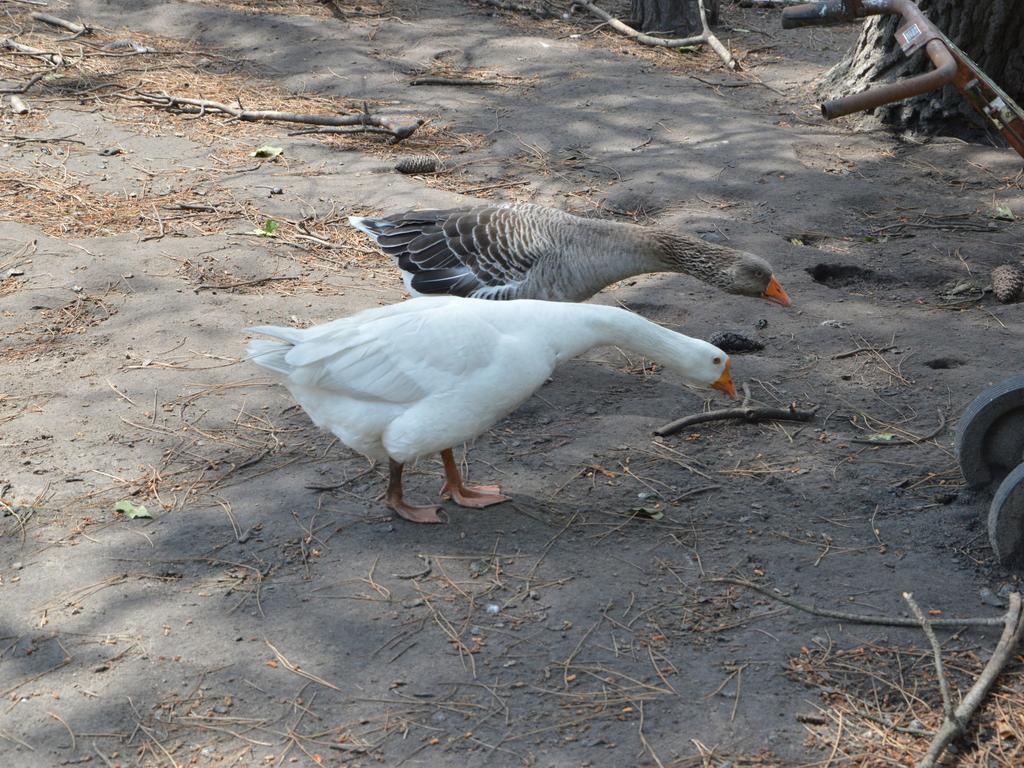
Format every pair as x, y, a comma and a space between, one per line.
679, 18
988, 31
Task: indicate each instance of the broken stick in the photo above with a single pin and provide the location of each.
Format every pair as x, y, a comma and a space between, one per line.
952, 727
955, 723
706, 36
56, 21
744, 412
362, 121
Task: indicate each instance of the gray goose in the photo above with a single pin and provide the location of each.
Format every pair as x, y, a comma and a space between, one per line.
526, 251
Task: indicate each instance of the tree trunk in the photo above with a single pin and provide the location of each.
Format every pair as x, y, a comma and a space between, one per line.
988, 31
679, 18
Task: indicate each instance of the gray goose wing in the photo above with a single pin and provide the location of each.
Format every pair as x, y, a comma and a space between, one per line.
480, 252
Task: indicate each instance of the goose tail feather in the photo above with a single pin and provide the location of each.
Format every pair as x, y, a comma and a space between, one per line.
270, 355
373, 227
273, 355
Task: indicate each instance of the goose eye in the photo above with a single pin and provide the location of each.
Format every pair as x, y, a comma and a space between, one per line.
717, 361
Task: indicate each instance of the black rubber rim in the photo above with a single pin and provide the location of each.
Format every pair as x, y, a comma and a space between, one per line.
1006, 518
990, 435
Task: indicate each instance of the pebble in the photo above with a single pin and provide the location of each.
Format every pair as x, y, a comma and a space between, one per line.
493, 609
15, 272
220, 709
17, 565
990, 599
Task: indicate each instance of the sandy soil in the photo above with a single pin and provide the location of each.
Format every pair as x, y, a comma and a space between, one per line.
272, 612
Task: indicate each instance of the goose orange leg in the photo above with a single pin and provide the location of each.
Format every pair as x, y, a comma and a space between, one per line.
476, 496
393, 498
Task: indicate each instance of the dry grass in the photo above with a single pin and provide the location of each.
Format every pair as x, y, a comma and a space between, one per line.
314, 8
94, 75
882, 705
53, 326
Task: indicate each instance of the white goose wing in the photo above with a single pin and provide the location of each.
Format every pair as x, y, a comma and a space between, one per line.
482, 252
399, 356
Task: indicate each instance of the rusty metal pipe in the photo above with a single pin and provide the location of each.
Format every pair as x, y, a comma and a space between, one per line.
945, 69
817, 14
833, 11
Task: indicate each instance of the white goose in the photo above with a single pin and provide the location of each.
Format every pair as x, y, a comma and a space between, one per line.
406, 380
524, 251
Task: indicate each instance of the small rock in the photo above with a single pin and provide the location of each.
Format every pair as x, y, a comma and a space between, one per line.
15, 272
220, 709
76, 288
493, 609
990, 599
18, 565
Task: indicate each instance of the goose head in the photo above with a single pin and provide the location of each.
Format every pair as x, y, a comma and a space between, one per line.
750, 275
702, 365
725, 268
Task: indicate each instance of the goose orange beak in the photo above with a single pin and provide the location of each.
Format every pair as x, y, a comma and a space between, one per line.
775, 293
724, 383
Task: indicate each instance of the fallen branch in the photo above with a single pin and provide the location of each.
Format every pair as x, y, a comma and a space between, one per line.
36, 53
940, 674
510, 5
56, 21
706, 36
18, 106
243, 283
451, 81
908, 441
364, 119
955, 721
858, 350
744, 412
32, 81
857, 618
952, 727
769, 3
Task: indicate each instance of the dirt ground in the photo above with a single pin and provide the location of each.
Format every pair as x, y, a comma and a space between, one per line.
273, 613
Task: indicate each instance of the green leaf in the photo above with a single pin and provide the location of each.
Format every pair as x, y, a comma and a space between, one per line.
652, 513
269, 229
689, 49
881, 437
268, 151
796, 241
131, 511
870, 239
1003, 213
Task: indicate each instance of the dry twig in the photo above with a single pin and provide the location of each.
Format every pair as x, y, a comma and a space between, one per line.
744, 412
706, 36
363, 121
952, 727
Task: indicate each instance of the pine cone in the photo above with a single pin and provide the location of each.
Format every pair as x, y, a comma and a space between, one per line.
416, 164
1008, 282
